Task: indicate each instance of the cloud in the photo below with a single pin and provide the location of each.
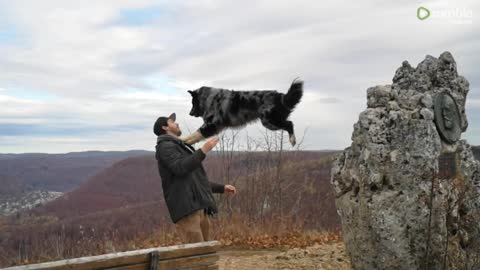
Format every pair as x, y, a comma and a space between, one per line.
105, 64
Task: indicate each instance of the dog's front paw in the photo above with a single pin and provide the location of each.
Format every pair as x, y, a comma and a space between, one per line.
293, 140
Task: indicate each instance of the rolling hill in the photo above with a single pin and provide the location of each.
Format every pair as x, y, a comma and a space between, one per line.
58, 172
127, 182
135, 180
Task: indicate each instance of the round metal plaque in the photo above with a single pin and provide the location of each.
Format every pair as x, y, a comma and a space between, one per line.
447, 117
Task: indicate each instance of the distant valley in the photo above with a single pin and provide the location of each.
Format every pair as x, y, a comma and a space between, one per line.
29, 180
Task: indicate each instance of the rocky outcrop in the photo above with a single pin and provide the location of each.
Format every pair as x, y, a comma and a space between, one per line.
407, 189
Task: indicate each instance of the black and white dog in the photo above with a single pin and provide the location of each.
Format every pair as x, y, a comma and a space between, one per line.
222, 108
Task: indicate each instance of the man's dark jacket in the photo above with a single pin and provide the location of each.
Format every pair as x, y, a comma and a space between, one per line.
185, 184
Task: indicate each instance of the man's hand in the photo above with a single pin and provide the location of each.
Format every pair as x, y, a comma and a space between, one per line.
230, 189
209, 145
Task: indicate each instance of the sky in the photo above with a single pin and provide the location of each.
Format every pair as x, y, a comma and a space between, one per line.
95, 75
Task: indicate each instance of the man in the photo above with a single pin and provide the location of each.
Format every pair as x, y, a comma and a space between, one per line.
187, 191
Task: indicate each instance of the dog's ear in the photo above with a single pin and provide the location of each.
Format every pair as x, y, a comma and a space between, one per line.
191, 92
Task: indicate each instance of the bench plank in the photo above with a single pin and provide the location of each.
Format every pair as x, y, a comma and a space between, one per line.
193, 262
133, 257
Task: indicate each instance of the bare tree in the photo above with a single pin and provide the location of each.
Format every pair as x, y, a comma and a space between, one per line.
228, 145
251, 167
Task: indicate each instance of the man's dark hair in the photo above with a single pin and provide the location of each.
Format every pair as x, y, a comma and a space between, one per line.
162, 122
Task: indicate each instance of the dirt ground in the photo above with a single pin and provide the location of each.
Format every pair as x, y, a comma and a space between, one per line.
318, 257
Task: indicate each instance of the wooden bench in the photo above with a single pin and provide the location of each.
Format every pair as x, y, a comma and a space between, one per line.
197, 256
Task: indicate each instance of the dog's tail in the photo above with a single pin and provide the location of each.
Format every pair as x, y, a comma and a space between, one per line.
294, 94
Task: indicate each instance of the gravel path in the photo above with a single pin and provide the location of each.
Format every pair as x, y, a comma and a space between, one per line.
326, 256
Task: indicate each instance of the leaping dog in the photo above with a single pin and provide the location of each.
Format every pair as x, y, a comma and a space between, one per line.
222, 108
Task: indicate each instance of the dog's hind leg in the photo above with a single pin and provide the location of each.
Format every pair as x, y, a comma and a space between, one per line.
288, 126
285, 125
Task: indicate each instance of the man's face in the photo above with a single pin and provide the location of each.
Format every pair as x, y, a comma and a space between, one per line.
173, 127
